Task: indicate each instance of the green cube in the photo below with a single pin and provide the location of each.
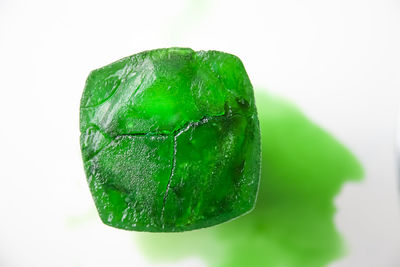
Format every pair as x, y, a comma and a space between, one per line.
170, 140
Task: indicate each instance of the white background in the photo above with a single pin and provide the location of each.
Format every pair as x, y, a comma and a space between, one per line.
338, 60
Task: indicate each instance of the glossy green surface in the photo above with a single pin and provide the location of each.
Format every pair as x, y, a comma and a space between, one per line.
170, 140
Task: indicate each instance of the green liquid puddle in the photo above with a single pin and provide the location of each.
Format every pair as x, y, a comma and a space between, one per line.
292, 225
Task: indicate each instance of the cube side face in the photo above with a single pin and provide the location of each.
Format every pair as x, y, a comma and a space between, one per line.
170, 140
215, 176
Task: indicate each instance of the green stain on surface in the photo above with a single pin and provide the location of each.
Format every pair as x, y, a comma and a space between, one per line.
185, 22
80, 220
303, 169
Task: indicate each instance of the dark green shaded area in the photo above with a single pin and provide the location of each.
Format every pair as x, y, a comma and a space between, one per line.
303, 169
170, 140
206, 155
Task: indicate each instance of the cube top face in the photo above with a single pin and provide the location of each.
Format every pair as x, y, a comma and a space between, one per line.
170, 140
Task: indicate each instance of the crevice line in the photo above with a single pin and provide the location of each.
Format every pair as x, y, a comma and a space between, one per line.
173, 165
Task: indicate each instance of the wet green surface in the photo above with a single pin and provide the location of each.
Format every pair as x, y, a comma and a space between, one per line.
170, 140
303, 169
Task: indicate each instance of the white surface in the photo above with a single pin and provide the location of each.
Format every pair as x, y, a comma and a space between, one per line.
338, 60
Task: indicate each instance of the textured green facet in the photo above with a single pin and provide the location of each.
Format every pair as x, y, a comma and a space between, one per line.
170, 140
